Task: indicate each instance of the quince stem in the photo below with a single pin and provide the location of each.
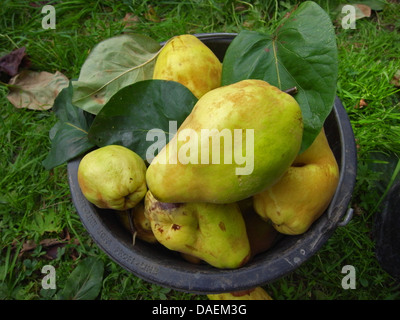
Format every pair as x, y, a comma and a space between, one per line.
291, 91
132, 226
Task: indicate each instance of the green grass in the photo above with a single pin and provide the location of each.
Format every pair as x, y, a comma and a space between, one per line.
35, 204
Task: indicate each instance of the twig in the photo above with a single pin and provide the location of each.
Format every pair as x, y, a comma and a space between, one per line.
291, 91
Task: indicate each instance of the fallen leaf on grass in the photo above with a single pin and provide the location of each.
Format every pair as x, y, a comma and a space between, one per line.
130, 21
49, 245
10, 63
85, 281
36, 90
361, 104
362, 11
396, 79
27, 246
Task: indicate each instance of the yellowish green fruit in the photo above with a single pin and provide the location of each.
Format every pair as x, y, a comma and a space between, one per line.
259, 129
304, 192
214, 233
257, 293
112, 177
187, 60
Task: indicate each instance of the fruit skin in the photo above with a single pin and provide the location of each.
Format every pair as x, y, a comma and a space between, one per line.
112, 177
304, 192
214, 233
276, 119
257, 293
187, 60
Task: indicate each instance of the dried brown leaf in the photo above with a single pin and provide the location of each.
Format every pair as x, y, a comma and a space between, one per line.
51, 242
362, 11
361, 104
396, 79
50, 245
36, 90
27, 246
10, 63
52, 251
130, 20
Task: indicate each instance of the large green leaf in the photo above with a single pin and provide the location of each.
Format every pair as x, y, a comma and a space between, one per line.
69, 136
301, 52
85, 281
113, 64
138, 108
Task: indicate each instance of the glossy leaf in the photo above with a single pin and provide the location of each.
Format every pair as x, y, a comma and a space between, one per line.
136, 109
69, 136
301, 52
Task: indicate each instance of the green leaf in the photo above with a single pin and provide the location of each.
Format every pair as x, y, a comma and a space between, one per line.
136, 109
377, 5
85, 281
113, 64
301, 52
69, 136
41, 222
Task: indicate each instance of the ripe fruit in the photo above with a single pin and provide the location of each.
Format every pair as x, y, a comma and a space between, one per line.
112, 177
304, 192
187, 60
253, 128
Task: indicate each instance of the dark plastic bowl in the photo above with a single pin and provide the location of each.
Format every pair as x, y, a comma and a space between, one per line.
158, 265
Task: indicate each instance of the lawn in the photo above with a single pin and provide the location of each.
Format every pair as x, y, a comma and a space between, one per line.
39, 225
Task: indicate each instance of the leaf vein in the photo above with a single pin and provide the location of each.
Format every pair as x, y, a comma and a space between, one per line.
276, 63
119, 76
75, 127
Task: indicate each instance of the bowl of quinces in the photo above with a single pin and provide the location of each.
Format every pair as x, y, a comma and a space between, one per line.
210, 163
